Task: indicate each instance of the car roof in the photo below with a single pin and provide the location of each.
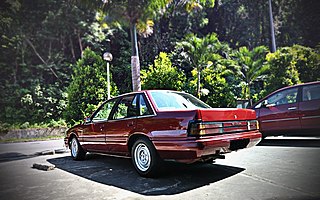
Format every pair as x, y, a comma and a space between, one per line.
144, 91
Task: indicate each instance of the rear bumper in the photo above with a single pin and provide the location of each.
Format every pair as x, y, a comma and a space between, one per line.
194, 149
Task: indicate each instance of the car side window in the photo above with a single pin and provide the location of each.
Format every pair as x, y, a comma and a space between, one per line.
104, 111
126, 108
311, 92
144, 107
284, 97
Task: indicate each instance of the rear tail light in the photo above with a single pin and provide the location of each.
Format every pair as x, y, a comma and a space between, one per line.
196, 128
199, 128
253, 125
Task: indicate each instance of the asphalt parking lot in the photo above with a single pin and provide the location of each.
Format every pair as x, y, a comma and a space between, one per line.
278, 168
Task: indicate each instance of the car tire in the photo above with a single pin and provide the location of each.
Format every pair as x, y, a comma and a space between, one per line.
77, 152
145, 158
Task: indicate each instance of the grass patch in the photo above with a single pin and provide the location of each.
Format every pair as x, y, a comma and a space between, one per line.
5, 127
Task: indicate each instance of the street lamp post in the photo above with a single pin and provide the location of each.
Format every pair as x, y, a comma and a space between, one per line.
108, 57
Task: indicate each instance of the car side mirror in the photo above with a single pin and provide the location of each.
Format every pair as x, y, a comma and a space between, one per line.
266, 104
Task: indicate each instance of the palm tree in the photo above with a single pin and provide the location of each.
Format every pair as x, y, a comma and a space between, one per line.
201, 52
138, 14
251, 66
134, 13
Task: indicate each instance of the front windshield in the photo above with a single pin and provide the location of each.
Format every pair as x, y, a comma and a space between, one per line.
170, 100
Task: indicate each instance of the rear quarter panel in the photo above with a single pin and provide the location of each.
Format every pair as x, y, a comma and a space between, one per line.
166, 125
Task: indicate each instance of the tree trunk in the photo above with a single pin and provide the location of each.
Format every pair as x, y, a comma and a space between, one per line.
273, 38
135, 63
198, 83
15, 71
80, 43
249, 95
72, 48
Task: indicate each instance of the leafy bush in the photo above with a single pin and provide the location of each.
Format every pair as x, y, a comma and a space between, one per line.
162, 75
307, 62
58, 123
88, 86
216, 91
283, 69
4, 127
201, 53
250, 67
25, 125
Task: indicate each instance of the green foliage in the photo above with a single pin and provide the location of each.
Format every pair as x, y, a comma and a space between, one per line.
216, 92
212, 70
5, 127
297, 22
250, 67
88, 86
43, 103
121, 69
283, 69
35, 56
171, 27
240, 23
307, 62
38, 50
198, 4
133, 14
246, 22
201, 52
162, 75
292, 65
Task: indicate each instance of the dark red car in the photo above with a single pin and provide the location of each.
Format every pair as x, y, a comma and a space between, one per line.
156, 125
293, 110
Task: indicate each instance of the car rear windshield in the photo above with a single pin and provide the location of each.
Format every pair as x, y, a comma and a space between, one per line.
170, 100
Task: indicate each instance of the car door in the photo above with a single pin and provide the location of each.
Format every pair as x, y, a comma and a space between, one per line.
310, 107
121, 123
93, 137
281, 112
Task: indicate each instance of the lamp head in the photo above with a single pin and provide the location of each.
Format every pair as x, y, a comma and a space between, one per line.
107, 56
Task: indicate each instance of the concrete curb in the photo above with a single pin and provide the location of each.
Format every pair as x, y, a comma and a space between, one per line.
52, 152
44, 167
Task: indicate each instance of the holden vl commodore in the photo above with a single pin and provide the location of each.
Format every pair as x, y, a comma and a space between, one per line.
157, 125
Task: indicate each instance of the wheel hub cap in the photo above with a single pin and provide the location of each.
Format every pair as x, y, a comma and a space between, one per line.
142, 157
74, 147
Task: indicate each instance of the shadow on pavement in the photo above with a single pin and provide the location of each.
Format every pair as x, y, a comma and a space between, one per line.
290, 142
119, 172
12, 156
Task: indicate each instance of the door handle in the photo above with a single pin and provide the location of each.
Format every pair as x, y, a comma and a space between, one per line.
292, 108
101, 127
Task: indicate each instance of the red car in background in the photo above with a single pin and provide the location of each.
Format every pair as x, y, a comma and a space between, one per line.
293, 110
156, 125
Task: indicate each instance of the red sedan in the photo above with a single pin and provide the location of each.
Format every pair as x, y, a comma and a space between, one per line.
293, 110
155, 125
